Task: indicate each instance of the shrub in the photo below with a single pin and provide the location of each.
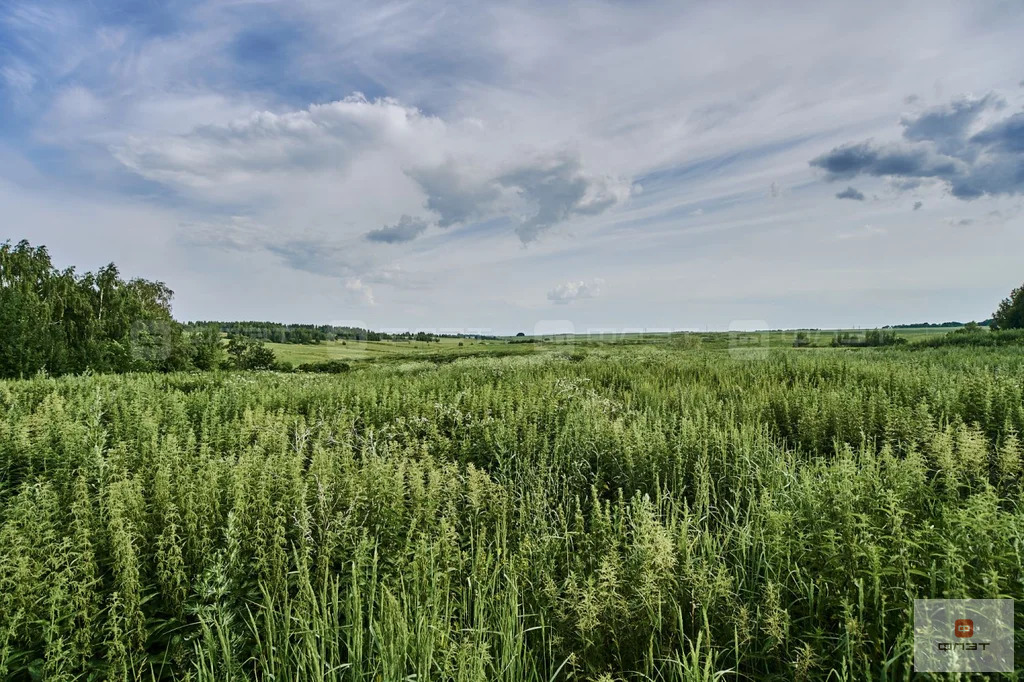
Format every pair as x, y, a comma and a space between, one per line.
970, 328
325, 367
980, 339
871, 338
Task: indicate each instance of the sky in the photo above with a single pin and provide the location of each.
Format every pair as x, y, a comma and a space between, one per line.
525, 166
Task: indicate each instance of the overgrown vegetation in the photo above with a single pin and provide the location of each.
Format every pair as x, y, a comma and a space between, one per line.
871, 338
624, 513
326, 367
976, 338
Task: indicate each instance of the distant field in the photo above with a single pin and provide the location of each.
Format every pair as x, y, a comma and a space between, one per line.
372, 350
819, 337
390, 350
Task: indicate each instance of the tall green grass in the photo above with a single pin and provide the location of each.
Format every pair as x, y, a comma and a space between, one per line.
630, 514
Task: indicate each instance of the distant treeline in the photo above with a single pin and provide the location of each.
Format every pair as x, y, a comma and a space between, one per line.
276, 332
62, 322
985, 323
1005, 337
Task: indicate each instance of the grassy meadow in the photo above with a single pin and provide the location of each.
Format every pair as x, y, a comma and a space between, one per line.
585, 511
385, 351
298, 354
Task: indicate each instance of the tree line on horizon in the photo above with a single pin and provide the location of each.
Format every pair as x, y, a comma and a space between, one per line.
937, 325
278, 332
63, 322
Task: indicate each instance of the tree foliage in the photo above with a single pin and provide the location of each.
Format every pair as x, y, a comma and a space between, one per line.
248, 354
1010, 314
61, 322
276, 332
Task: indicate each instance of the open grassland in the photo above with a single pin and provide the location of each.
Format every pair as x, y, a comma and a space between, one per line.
778, 338
450, 348
586, 513
298, 354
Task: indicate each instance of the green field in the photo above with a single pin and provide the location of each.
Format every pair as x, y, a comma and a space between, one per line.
384, 351
583, 511
369, 350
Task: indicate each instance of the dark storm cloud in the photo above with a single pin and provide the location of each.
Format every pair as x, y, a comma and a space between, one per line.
312, 255
1006, 136
946, 126
939, 144
558, 190
453, 195
850, 193
550, 189
405, 230
867, 158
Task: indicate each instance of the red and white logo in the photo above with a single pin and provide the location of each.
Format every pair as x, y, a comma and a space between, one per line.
963, 627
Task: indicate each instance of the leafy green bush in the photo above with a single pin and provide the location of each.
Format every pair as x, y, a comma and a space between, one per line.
976, 339
248, 354
325, 367
872, 338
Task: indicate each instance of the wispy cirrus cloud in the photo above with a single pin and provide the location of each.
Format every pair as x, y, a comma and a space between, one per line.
500, 145
864, 232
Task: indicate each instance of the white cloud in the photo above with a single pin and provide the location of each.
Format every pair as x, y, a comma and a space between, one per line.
327, 136
262, 158
503, 125
18, 77
575, 290
865, 232
360, 288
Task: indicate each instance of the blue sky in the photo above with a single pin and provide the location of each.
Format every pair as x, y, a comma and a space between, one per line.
510, 166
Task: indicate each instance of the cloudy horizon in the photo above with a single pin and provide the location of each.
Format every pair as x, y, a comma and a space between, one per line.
496, 167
